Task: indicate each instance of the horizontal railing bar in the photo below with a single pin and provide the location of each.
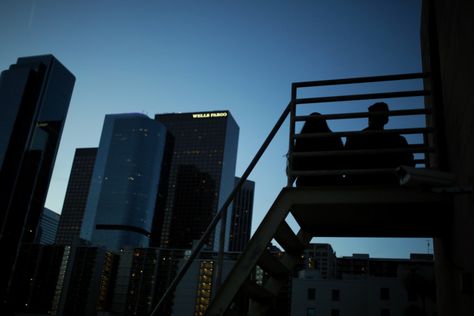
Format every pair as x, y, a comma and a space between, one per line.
340, 172
306, 84
418, 161
367, 96
349, 152
340, 116
424, 130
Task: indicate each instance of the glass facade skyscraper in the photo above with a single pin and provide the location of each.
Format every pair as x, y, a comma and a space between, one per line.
47, 228
122, 194
242, 210
34, 98
76, 196
201, 171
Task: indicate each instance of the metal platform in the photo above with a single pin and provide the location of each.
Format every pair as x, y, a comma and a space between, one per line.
369, 211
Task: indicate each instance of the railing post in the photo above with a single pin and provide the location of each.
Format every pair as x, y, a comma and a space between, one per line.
289, 157
220, 255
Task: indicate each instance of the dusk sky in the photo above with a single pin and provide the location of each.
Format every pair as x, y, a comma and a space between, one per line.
191, 56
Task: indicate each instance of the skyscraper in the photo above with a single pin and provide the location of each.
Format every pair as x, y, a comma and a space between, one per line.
47, 228
241, 216
76, 196
34, 98
200, 176
122, 195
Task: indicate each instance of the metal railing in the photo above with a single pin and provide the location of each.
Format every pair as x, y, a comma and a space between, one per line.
423, 148
290, 110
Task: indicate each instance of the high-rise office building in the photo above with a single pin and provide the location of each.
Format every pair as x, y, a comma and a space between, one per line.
34, 98
124, 185
241, 217
35, 278
76, 196
47, 228
200, 176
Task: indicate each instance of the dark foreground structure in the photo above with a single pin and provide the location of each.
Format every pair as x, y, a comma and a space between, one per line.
447, 46
34, 98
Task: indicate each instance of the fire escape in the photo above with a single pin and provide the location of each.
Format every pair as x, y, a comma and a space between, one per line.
417, 207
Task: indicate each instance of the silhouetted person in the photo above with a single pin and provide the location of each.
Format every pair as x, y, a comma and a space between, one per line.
316, 144
377, 141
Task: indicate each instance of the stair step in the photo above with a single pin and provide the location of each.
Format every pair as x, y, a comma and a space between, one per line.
273, 266
288, 240
257, 292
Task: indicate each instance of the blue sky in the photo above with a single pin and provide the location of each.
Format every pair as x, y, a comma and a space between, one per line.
184, 56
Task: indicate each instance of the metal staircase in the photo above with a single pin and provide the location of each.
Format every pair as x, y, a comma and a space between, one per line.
275, 227
342, 210
325, 211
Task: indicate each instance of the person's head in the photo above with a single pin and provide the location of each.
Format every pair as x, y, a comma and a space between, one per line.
315, 125
378, 121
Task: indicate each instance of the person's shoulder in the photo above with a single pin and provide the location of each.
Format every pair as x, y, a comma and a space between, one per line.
402, 140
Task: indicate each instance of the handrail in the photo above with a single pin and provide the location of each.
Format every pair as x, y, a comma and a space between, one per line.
340, 116
418, 130
365, 96
351, 152
332, 82
222, 210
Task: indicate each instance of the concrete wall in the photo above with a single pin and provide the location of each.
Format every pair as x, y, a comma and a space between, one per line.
358, 297
453, 40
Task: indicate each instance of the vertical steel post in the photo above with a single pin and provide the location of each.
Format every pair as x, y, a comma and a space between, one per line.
220, 255
289, 156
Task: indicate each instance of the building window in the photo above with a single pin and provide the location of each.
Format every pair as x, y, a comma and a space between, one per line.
335, 312
384, 293
311, 294
384, 312
335, 295
310, 311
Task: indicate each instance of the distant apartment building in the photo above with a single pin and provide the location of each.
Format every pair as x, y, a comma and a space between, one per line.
85, 282
142, 276
47, 228
197, 288
136, 282
241, 216
200, 177
320, 257
76, 196
34, 97
367, 286
123, 189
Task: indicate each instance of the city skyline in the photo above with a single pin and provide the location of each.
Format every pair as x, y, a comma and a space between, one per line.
163, 58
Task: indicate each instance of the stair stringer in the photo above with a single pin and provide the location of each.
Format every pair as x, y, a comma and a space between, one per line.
274, 285
252, 252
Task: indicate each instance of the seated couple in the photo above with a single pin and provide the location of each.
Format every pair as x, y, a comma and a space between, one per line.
378, 118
